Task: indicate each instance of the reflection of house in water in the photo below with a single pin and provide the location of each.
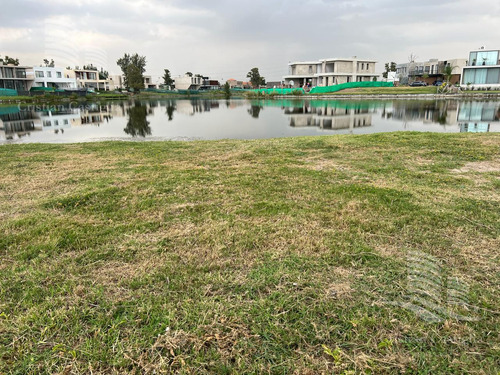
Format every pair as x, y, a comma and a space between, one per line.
59, 119
442, 112
196, 106
93, 114
330, 118
15, 123
477, 117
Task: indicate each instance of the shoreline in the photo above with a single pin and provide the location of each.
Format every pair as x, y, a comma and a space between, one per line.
345, 96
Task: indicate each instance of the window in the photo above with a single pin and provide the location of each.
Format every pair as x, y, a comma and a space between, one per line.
362, 66
310, 69
49, 74
367, 66
59, 75
484, 58
38, 74
493, 76
478, 76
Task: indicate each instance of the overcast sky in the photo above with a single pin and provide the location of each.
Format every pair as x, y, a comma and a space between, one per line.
226, 38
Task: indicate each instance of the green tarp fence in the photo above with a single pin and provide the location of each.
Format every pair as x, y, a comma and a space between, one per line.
44, 89
349, 85
8, 92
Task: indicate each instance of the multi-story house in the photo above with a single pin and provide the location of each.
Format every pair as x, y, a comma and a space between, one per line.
53, 77
329, 72
18, 78
188, 82
483, 69
88, 78
429, 71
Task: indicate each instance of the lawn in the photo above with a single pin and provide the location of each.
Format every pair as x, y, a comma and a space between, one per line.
373, 254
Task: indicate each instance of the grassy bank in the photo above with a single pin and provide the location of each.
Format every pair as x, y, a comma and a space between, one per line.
286, 256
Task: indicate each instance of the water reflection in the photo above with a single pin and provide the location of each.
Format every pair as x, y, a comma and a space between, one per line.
173, 119
331, 116
138, 124
476, 117
443, 112
254, 110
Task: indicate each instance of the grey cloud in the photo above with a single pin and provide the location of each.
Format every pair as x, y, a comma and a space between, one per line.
227, 37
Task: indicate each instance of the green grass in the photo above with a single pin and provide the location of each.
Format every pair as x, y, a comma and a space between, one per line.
283, 256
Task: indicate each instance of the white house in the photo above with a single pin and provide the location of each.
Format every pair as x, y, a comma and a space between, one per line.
483, 69
329, 72
188, 83
53, 77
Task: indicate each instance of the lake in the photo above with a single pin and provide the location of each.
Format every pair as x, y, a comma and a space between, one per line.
200, 119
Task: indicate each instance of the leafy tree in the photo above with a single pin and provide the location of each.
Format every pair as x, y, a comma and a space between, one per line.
103, 74
9, 61
133, 68
255, 78
135, 79
227, 90
167, 78
50, 63
448, 72
389, 67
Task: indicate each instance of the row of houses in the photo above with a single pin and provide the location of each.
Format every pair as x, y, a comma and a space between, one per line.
24, 78
481, 69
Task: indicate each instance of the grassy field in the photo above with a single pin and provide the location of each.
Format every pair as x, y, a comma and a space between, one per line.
319, 255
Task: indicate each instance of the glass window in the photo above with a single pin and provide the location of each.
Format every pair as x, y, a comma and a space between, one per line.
469, 75
39, 74
493, 76
473, 58
481, 76
59, 75
49, 74
487, 58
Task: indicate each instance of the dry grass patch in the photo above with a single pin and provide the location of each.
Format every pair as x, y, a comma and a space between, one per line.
488, 166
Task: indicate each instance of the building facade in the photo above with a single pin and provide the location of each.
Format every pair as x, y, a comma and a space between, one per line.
329, 72
483, 69
429, 71
89, 79
187, 82
18, 78
53, 77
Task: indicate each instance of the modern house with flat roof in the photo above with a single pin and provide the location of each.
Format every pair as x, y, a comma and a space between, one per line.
52, 77
483, 69
329, 72
18, 78
88, 78
429, 71
188, 82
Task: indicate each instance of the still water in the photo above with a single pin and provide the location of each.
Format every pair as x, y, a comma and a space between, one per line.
193, 119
